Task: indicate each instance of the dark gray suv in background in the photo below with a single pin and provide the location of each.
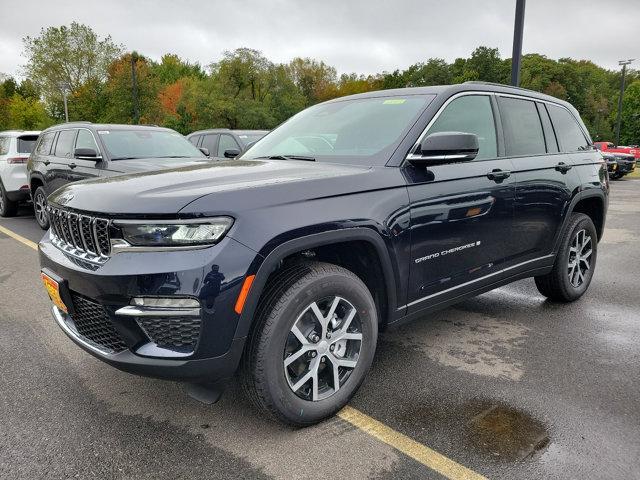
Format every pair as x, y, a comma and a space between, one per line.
77, 151
222, 143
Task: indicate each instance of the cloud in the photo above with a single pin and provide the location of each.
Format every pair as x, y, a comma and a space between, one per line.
354, 35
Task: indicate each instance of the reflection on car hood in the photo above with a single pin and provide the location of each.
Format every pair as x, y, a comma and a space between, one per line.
150, 164
228, 183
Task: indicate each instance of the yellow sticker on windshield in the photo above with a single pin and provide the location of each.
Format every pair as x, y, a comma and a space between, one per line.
394, 101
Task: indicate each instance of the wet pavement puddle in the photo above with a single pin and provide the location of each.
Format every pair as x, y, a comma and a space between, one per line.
507, 433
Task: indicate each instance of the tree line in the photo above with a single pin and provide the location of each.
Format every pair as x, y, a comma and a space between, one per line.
104, 83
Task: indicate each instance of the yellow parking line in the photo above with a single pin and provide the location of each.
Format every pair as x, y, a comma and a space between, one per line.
419, 452
19, 238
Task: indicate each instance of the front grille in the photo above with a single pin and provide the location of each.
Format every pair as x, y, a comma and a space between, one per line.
82, 236
92, 322
175, 333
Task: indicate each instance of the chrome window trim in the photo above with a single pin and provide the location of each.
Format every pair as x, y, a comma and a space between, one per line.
412, 156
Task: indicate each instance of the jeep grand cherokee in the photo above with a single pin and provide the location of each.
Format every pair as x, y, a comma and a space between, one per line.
355, 214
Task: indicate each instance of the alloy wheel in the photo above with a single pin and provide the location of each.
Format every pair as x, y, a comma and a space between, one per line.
40, 207
580, 258
322, 348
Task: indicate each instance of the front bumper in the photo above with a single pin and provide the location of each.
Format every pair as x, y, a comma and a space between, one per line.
625, 167
188, 370
116, 333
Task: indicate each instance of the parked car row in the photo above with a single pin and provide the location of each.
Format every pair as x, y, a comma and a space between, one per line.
620, 161
82, 150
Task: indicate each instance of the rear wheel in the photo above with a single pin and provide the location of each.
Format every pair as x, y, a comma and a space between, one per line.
313, 343
575, 262
8, 208
40, 208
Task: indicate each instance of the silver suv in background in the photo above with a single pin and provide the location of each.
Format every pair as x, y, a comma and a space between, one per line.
222, 143
15, 148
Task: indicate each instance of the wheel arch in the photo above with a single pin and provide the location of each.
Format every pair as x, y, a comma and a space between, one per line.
592, 203
35, 181
322, 243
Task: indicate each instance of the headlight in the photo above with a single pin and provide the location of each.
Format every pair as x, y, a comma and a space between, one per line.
176, 233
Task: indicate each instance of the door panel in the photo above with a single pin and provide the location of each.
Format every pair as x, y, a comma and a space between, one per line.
460, 222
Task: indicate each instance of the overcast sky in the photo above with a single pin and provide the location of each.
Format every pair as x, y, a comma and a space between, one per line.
354, 36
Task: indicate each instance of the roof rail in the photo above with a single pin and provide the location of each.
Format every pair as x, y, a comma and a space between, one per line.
495, 84
78, 121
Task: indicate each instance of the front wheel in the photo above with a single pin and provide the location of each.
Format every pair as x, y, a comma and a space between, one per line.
575, 262
313, 343
40, 208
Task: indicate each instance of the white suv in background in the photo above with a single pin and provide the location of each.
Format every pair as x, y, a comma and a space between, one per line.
15, 148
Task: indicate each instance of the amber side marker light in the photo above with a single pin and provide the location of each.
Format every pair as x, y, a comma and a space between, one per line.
244, 292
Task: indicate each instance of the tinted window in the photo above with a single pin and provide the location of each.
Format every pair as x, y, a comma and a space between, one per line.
470, 114
194, 139
26, 143
85, 140
4, 145
570, 136
522, 128
210, 142
549, 135
360, 131
64, 145
46, 140
226, 142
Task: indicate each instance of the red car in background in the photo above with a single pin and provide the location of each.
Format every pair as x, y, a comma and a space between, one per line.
610, 147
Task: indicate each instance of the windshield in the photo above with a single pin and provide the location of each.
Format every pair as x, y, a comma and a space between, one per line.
132, 144
26, 143
362, 131
248, 138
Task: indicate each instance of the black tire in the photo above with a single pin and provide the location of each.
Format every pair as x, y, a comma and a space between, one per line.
285, 299
557, 285
8, 208
615, 176
40, 199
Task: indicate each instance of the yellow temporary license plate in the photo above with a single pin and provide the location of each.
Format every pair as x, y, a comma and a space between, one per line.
53, 289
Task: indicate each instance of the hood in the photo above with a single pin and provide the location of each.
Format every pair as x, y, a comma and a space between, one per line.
148, 164
229, 185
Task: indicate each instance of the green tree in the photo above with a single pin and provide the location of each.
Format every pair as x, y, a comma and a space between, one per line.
27, 114
630, 122
70, 56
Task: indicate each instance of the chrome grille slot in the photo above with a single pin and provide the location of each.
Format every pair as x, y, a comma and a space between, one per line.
82, 236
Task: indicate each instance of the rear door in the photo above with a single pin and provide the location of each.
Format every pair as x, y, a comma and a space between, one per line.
545, 179
461, 213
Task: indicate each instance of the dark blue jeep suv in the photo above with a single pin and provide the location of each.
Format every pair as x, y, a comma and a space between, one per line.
355, 214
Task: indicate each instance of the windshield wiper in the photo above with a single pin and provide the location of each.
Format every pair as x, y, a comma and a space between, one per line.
288, 157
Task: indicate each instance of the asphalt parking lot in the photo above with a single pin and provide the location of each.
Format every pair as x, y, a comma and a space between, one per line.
507, 385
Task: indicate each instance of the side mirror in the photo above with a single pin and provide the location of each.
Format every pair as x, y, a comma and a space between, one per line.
231, 153
446, 147
204, 150
86, 154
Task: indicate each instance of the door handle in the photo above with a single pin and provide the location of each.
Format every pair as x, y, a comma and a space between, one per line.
563, 167
46, 162
72, 166
498, 175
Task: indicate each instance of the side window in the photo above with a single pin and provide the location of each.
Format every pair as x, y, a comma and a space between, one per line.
549, 135
569, 133
522, 128
195, 139
226, 142
64, 145
470, 114
85, 140
210, 142
44, 146
4, 145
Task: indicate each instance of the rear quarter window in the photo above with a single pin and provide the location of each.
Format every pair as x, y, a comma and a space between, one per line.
569, 134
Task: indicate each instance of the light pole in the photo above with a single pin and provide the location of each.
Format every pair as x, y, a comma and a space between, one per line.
624, 64
64, 87
516, 55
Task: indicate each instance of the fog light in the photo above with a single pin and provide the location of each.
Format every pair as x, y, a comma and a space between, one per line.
165, 302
